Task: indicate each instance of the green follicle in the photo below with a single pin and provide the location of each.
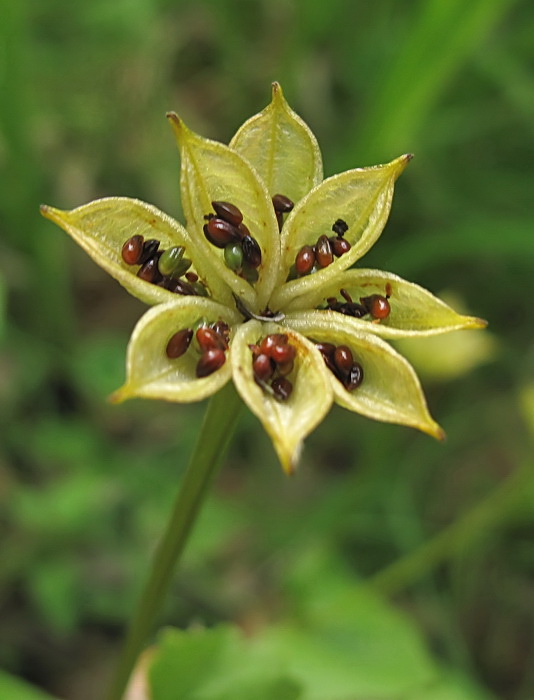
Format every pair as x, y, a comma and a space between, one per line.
171, 260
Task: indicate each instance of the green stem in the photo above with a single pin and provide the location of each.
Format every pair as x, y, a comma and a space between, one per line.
475, 523
219, 422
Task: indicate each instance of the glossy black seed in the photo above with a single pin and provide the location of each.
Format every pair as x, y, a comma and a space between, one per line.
282, 204
305, 260
355, 377
150, 248
251, 251
377, 305
149, 271
279, 220
219, 232
323, 252
263, 367
210, 362
340, 246
282, 388
340, 227
228, 212
132, 250
179, 343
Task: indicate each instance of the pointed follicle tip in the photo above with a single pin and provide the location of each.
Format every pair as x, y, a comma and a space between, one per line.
174, 118
408, 157
118, 396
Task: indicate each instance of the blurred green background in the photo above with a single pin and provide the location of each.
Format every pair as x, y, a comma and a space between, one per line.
442, 531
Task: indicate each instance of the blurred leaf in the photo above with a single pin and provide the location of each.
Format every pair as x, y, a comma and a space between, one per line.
12, 688
214, 665
54, 587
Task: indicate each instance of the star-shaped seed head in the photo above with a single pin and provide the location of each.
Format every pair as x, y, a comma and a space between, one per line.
260, 286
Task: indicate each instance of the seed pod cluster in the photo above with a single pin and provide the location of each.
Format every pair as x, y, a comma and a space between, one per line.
312, 258
165, 268
282, 205
339, 360
375, 305
273, 359
225, 229
211, 344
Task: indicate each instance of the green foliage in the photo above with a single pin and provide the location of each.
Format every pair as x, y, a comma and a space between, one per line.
85, 487
11, 687
350, 645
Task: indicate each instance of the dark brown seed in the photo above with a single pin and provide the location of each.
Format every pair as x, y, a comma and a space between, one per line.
191, 277
228, 212
271, 341
326, 349
355, 377
377, 305
340, 227
280, 220
283, 353
263, 367
243, 230
179, 343
282, 388
305, 260
285, 368
220, 232
182, 287
210, 362
207, 339
251, 251
149, 271
343, 359
282, 204
340, 246
150, 248
223, 329
132, 250
323, 252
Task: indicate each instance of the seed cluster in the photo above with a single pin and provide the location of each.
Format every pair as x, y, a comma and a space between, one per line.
225, 229
211, 343
340, 361
312, 258
375, 305
165, 268
272, 360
